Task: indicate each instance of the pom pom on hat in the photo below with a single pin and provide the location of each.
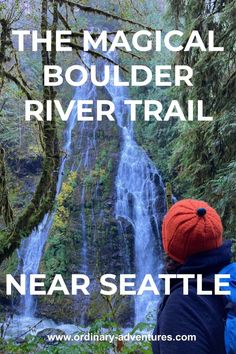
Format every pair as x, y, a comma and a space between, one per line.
190, 227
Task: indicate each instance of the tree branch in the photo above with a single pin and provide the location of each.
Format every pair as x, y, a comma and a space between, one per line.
43, 198
98, 55
13, 78
95, 35
105, 13
5, 207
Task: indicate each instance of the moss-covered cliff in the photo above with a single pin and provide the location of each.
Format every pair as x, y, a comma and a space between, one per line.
85, 236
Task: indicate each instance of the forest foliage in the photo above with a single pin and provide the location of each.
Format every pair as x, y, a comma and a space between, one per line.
203, 156
199, 159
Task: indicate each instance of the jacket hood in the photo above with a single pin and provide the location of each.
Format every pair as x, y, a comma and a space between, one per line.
210, 262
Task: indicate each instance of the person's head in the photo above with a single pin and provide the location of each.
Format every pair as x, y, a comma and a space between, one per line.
190, 227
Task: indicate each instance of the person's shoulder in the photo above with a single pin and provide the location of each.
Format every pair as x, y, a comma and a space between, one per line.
177, 297
193, 314
177, 290
192, 302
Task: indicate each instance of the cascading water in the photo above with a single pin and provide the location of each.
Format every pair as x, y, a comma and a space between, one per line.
140, 200
31, 249
137, 199
87, 147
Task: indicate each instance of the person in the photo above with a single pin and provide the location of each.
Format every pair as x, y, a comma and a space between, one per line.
192, 240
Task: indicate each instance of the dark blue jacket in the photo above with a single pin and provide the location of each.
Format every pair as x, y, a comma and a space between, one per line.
200, 315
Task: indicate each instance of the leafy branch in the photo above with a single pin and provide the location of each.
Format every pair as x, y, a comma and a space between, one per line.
91, 9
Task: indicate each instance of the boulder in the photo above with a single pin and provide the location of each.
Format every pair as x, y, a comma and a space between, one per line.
50, 331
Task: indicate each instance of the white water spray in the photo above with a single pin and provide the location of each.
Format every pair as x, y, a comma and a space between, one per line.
138, 187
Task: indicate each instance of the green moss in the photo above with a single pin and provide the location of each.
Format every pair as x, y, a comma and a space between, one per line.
55, 258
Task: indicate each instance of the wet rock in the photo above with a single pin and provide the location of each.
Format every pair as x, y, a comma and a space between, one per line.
31, 165
50, 331
20, 340
126, 226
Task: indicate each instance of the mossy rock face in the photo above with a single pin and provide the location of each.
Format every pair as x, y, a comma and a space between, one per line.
125, 312
86, 215
8, 266
123, 309
5, 301
57, 308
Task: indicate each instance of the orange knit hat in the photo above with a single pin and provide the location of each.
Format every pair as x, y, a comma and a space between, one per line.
190, 227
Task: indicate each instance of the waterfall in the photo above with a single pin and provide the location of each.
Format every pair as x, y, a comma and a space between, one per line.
140, 201
87, 147
31, 249
137, 199
87, 144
